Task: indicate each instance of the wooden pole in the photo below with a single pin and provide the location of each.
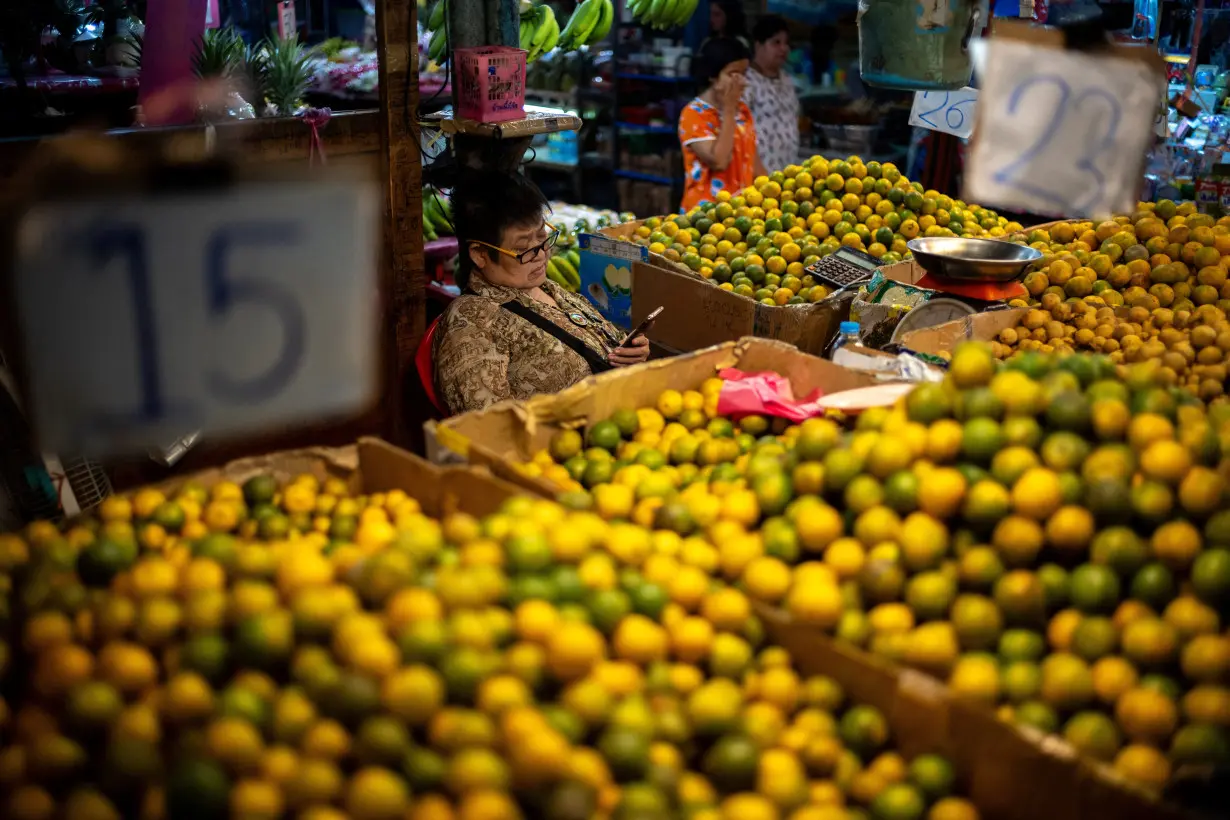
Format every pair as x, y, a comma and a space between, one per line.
403, 274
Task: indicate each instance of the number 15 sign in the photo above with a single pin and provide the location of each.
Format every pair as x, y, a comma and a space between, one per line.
228, 308
1062, 132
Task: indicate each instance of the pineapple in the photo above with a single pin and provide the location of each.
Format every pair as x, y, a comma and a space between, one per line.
219, 53
284, 74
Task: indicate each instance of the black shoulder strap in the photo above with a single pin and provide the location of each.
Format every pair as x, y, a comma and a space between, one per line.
596, 363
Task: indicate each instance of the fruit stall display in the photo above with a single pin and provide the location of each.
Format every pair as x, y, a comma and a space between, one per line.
758, 242
571, 221
284, 645
1147, 287
1047, 535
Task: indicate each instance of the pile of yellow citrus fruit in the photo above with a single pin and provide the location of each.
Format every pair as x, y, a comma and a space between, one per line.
1049, 535
758, 242
273, 650
1188, 347
1161, 256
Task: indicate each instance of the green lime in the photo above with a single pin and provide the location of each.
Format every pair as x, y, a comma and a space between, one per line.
864, 730
382, 740
1093, 588
102, 560
648, 599
198, 790
260, 489
1037, 714
423, 769
730, 764
604, 434
626, 752
899, 801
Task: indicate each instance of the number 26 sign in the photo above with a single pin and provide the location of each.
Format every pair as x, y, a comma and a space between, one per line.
1062, 132
952, 112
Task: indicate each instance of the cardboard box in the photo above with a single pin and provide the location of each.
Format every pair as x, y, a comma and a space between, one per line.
509, 433
606, 273
373, 465
980, 327
1008, 772
700, 315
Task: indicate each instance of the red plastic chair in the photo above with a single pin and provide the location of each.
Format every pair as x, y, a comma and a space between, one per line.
426, 366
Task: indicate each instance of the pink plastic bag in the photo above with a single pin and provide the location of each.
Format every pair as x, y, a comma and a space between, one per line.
765, 394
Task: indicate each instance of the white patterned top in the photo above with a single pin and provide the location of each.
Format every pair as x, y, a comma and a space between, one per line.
775, 110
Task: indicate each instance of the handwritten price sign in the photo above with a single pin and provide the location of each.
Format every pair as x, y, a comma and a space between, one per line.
949, 111
1062, 132
227, 310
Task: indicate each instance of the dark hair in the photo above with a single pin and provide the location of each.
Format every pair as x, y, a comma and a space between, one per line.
768, 27
485, 204
714, 55
736, 20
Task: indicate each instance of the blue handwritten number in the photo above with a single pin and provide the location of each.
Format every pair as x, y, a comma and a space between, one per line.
224, 293
956, 109
1092, 149
1008, 174
128, 242
922, 115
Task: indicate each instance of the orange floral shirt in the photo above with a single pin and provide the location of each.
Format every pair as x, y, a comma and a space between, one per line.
699, 122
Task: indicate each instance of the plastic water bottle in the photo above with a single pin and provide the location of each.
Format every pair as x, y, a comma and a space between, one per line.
847, 334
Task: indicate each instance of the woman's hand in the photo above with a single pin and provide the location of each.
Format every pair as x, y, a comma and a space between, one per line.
732, 94
634, 352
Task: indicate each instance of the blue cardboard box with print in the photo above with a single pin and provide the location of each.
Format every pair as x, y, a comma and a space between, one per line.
606, 275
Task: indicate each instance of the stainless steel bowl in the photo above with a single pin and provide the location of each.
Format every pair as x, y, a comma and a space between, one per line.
981, 260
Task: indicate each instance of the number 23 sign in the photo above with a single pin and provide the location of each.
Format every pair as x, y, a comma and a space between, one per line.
1062, 132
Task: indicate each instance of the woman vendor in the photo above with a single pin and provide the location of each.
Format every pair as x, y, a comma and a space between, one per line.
716, 130
513, 333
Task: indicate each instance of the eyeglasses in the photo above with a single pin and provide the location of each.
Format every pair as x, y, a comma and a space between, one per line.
529, 254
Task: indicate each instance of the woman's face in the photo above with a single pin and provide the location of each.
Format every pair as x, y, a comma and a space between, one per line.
735, 69
717, 19
506, 270
773, 52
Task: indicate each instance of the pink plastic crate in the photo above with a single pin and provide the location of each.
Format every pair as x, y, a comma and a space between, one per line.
490, 83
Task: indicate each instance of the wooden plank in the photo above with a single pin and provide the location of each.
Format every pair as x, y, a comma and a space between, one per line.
347, 134
403, 273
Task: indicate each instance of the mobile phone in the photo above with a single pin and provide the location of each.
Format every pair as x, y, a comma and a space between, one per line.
643, 326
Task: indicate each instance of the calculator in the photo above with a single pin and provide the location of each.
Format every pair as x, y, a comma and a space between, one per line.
843, 267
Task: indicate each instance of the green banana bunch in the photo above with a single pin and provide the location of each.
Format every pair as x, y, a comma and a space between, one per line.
561, 272
437, 47
662, 14
527, 31
435, 21
437, 212
545, 32
605, 20
582, 22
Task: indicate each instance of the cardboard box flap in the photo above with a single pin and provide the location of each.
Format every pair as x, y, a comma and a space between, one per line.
700, 314
507, 434
697, 313
977, 327
322, 462
369, 466
1007, 772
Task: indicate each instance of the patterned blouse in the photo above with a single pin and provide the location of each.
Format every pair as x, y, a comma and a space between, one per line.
484, 354
700, 122
775, 108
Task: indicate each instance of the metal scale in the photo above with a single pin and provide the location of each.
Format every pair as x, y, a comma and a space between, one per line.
974, 276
